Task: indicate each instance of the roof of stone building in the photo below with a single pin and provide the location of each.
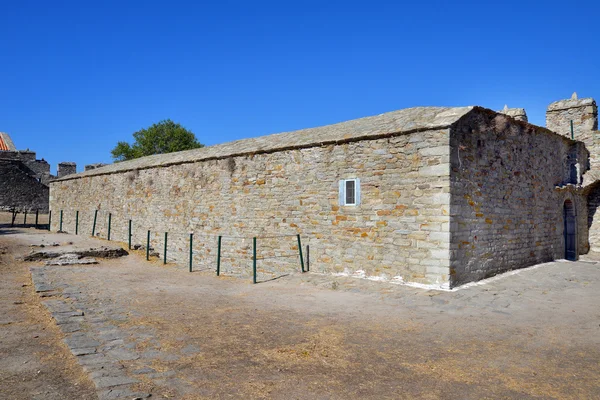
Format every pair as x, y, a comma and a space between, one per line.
396, 122
6, 143
571, 103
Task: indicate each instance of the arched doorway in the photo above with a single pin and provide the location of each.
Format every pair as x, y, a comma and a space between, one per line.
570, 231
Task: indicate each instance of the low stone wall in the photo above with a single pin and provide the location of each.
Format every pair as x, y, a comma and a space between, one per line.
509, 184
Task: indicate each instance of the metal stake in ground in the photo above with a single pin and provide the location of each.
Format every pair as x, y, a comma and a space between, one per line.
37, 214
129, 236
49, 219
219, 256
109, 219
61, 219
148, 247
165, 252
300, 251
76, 222
94, 226
25, 218
191, 249
254, 259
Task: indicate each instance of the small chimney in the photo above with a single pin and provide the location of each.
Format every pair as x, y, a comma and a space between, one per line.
66, 168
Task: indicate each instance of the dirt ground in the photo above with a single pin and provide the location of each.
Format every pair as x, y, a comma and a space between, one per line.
22, 220
34, 362
531, 335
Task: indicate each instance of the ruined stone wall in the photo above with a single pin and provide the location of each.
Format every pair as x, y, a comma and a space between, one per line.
400, 229
21, 190
507, 212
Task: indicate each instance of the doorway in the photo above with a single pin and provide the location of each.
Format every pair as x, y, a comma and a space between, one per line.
570, 231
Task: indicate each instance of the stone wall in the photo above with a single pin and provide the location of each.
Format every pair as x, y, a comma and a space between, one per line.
23, 155
509, 183
400, 229
18, 188
593, 202
40, 168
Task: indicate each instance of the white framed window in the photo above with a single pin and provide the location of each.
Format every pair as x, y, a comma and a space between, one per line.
350, 192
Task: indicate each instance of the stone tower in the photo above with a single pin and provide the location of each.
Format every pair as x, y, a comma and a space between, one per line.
579, 117
66, 168
583, 113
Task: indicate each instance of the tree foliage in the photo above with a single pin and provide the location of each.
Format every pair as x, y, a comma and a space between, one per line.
163, 137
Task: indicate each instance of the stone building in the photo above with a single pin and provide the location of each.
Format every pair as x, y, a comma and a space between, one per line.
23, 178
578, 118
432, 195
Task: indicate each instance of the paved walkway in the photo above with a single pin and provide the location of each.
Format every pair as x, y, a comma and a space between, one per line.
141, 329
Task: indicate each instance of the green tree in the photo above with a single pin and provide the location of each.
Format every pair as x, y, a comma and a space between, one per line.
163, 137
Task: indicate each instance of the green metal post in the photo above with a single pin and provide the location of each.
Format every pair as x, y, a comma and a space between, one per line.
191, 249
129, 235
165, 252
572, 131
300, 251
49, 219
94, 226
77, 222
109, 219
61, 215
148, 247
25, 218
254, 259
37, 215
308, 257
219, 256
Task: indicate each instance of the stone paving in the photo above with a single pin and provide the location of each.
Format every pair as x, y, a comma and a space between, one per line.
98, 344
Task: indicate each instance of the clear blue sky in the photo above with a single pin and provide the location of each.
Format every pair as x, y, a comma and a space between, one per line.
76, 77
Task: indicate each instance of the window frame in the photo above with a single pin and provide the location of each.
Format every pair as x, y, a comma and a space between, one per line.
343, 192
